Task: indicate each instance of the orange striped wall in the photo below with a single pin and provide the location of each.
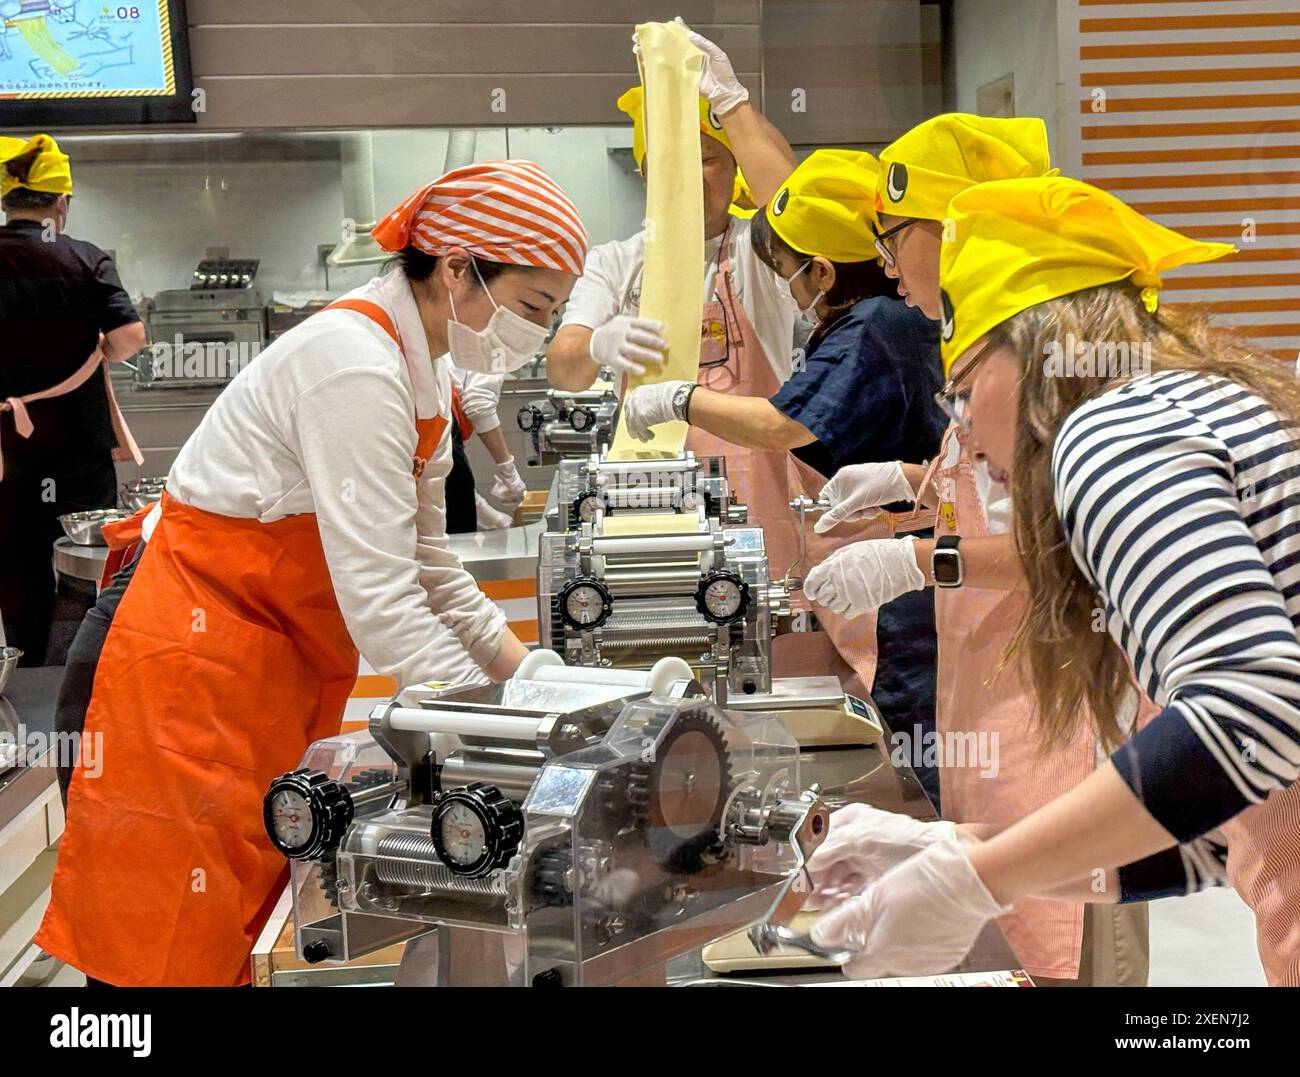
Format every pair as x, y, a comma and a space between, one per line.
1189, 110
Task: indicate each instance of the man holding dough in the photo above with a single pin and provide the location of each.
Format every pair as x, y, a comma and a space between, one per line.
748, 324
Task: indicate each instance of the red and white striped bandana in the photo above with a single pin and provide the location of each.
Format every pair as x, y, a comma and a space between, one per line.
501, 211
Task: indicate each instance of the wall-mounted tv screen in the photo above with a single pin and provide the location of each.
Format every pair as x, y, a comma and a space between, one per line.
73, 62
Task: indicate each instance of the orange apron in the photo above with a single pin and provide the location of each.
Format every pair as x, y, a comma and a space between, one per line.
757, 478
122, 537
227, 657
974, 626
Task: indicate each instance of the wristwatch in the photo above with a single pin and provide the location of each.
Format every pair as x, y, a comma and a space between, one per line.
945, 562
682, 401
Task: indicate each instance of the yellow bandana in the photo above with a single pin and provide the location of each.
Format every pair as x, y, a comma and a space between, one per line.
50, 173
922, 171
827, 206
1018, 243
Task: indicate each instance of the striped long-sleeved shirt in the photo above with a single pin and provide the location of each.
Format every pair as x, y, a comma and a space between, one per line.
1180, 497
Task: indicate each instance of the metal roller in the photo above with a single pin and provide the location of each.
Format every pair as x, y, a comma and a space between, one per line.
411, 860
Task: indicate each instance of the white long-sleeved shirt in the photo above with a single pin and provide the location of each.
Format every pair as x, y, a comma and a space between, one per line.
1180, 497
480, 396
323, 422
611, 284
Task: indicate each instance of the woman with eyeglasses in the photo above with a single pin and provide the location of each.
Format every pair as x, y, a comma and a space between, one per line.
979, 584
864, 392
1156, 482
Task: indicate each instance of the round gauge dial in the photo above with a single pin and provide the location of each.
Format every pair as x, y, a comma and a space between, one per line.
722, 597
305, 813
529, 417
582, 419
585, 507
585, 603
463, 837
475, 829
291, 821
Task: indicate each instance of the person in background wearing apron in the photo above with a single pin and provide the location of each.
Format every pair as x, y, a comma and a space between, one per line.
865, 392
748, 325
475, 401
1155, 495
303, 523
979, 584
64, 316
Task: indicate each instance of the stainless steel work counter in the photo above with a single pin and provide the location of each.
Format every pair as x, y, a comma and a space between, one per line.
80, 562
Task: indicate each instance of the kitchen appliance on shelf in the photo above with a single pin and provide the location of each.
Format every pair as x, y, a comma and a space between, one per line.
203, 335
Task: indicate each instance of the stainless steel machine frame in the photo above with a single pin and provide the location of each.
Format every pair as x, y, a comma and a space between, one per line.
562, 425
622, 819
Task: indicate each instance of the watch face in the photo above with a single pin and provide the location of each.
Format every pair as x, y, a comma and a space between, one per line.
291, 819
581, 419
464, 836
945, 565
584, 605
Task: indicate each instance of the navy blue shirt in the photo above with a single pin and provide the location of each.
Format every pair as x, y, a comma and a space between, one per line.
867, 389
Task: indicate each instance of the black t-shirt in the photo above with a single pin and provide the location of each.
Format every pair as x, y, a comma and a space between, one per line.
56, 298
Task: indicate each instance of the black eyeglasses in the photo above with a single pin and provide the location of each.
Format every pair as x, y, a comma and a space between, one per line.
882, 248
953, 405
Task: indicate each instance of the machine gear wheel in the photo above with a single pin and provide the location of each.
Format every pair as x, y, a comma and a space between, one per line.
328, 875
677, 798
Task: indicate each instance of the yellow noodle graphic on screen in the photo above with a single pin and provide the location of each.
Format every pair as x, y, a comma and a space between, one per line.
42, 42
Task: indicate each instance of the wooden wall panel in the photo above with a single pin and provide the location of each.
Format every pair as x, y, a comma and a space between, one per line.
855, 67
392, 63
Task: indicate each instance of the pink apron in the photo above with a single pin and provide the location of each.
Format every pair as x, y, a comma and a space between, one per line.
974, 626
854, 638
1264, 868
758, 478
125, 449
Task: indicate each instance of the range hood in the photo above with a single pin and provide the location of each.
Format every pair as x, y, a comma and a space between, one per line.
358, 171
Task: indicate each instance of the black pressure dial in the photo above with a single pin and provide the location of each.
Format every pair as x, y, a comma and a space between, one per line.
476, 829
585, 603
584, 508
722, 597
582, 419
530, 417
306, 813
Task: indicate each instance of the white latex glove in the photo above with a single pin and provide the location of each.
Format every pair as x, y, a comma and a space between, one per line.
649, 405
863, 576
718, 82
629, 344
921, 917
858, 491
508, 487
487, 517
863, 843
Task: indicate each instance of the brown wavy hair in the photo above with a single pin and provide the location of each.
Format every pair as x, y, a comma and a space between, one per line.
1070, 663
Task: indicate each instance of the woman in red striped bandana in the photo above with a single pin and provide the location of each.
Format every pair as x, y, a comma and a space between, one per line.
303, 523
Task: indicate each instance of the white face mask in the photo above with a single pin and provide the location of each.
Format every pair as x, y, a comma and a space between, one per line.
506, 343
783, 286
808, 313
